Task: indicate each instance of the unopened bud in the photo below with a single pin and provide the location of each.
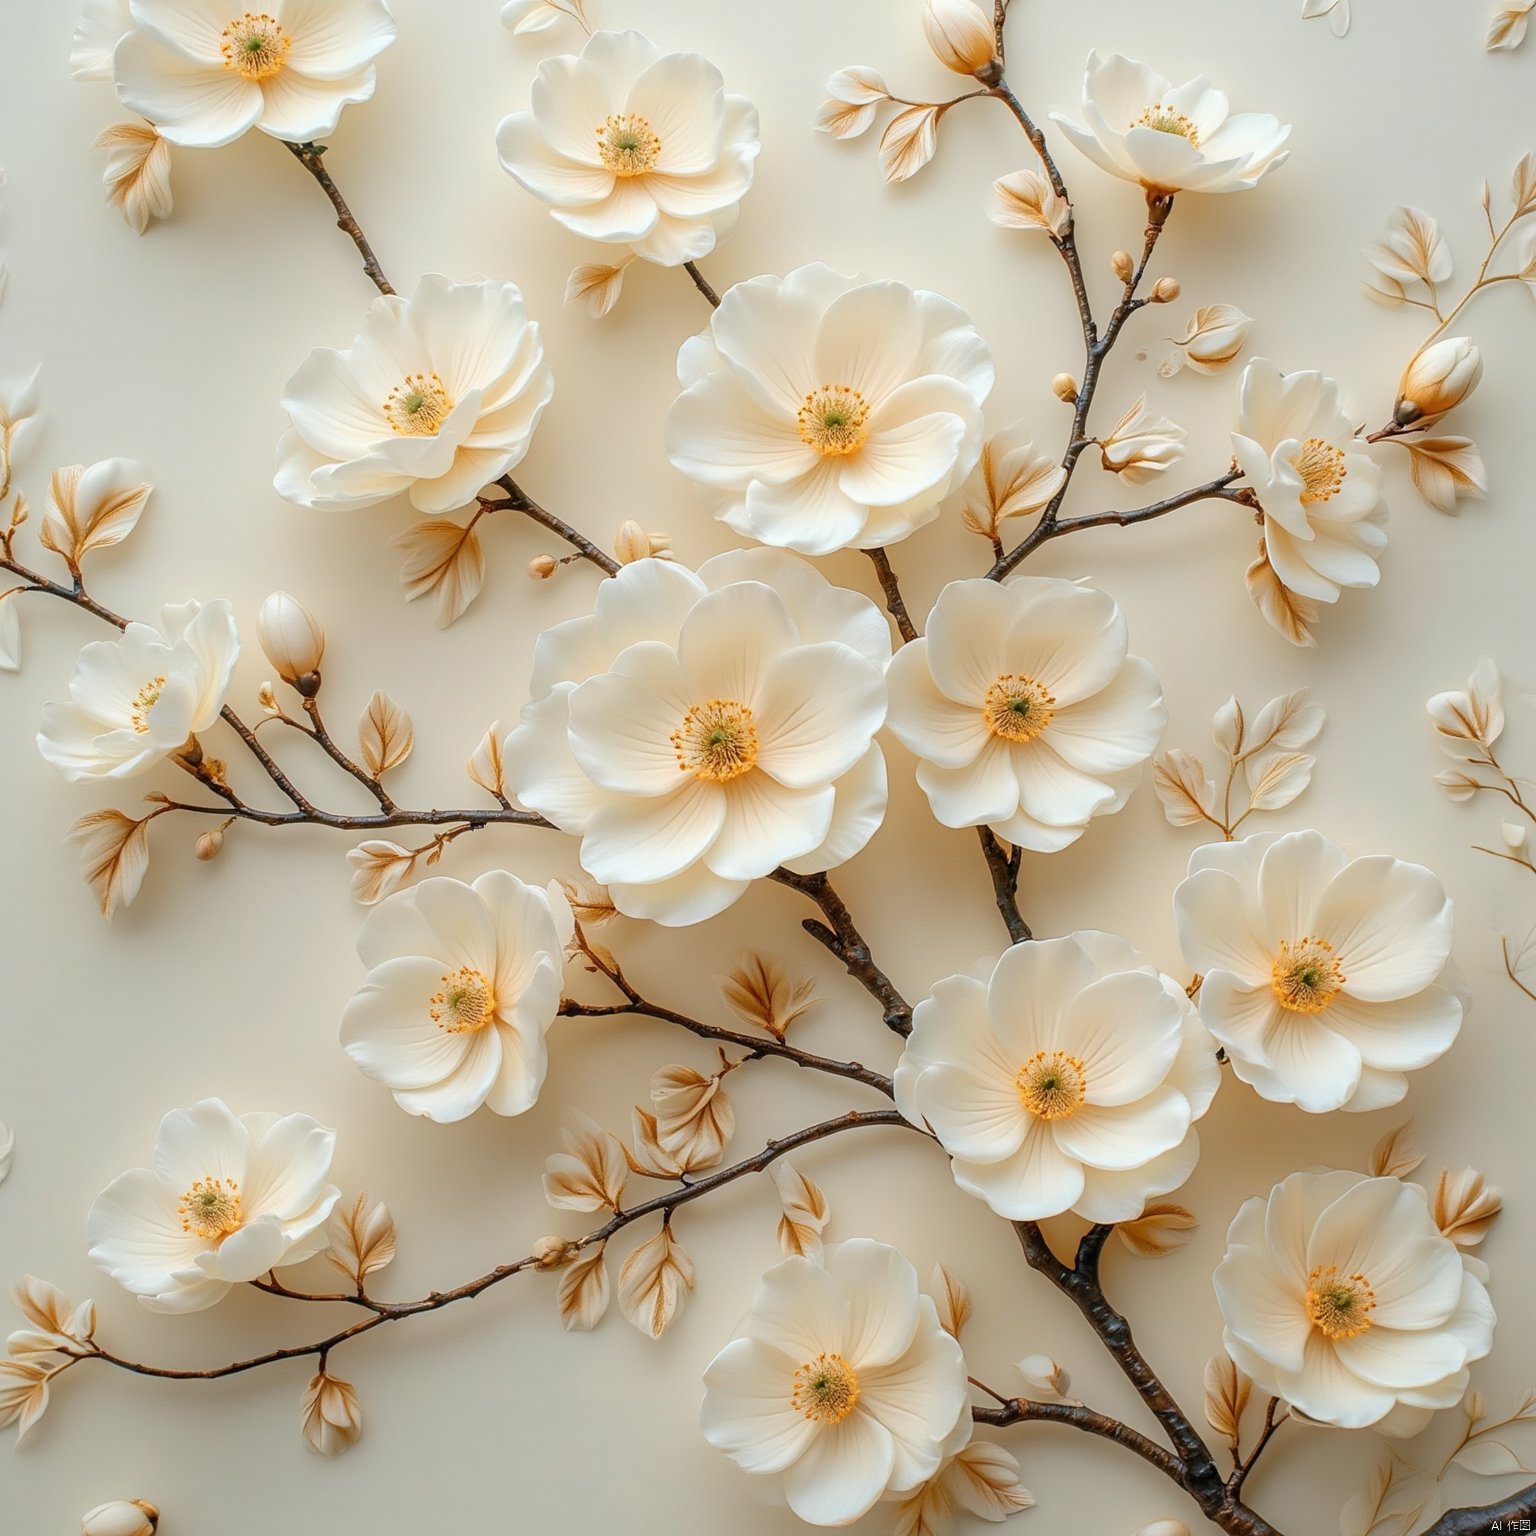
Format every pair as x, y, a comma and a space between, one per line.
1438, 379
266, 696
1064, 387
210, 845
121, 1518
1164, 1528
1165, 290
961, 38
1042, 1374
1513, 834
293, 641
542, 567
635, 543
1122, 266
554, 1252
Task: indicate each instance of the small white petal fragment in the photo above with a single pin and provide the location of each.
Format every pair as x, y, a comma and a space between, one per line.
138, 173
1176, 1527
1337, 12
114, 854
1281, 779
23, 1395
330, 1416
589, 1175
1159, 1230
10, 632
654, 1281
385, 734
1287, 613
524, 16
1469, 722
7, 1150
596, 287
805, 1211
584, 1292
445, 561
909, 142
362, 1238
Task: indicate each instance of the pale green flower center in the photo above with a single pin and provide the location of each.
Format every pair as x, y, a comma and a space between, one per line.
1163, 119
834, 420
1321, 467
1052, 1085
1306, 976
211, 1209
419, 406
255, 45
627, 145
717, 741
1017, 708
1340, 1306
463, 1003
826, 1389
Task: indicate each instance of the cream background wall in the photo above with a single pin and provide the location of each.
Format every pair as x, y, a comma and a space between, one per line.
229, 978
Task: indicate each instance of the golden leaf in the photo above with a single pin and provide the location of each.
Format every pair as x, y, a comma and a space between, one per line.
1015, 479
92, 508
806, 1212
649, 1158
596, 287
330, 1417
1414, 250
1465, 1206
23, 1395
385, 734
653, 1282
985, 1479
1446, 471
590, 902
1227, 1391
138, 172
909, 141
583, 1296
114, 852
590, 1174
1395, 1156
1026, 200
362, 1239
1215, 337
1285, 611
1188, 794
759, 992
1280, 779
485, 764
444, 560
379, 868
694, 1115
952, 1297
1159, 1230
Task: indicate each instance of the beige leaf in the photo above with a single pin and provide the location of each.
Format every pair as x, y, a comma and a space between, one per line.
1287, 724
1387, 292
524, 16
1414, 249
649, 1157
1013, 479
114, 853
1395, 1156
1215, 337
590, 1174
653, 1282
1457, 785
1285, 611
597, 287
1446, 471
1229, 729
92, 507
1026, 200
759, 992
952, 1297
1523, 185
1159, 1230
1227, 1391
379, 868
845, 120
384, 734
362, 1238
47, 1308
1466, 1205
583, 1295
330, 1417
591, 903
806, 1212
909, 141
694, 1115
858, 85
10, 632
23, 1395
1390, 1503
929, 1510
138, 172
1279, 780
486, 767
985, 1479
444, 560
1490, 1458
1188, 794
1508, 27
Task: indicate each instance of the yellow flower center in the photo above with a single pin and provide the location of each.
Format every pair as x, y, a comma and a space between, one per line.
1052, 1085
419, 406
1163, 119
255, 45
717, 741
628, 145
1306, 975
1321, 467
211, 1208
826, 1389
834, 420
463, 1003
1340, 1306
1017, 708
144, 701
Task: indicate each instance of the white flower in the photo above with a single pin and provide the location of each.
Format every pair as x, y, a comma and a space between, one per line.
1438, 379
1068, 1081
633, 146
1340, 1295
204, 77
824, 412
121, 1517
841, 1379
1171, 138
102, 26
463, 982
698, 730
1325, 977
1142, 444
1025, 710
1318, 487
438, 396
228, 1199
137, 699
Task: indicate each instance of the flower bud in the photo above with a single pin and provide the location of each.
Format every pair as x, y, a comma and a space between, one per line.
554, 1252
635, 543
542, 567
1514, 835
330, 1417
1042, 1374
960, 36
121, 1518
1438, 380
1164, 1528
1122, 266
266, 696
1165, 290
293, 641
1064, 387
210, 845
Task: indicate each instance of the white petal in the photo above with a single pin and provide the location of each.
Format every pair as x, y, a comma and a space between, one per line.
967, 638
463, 1091
1400, 1036
1216, 930
190, 103
622, 722
1295, 873
388, 1030
1127, 1136
333, 38
1390, 925
746, 1411
881, 1288
925, 720
720, 433
682, 97
1037, 1182
732, 640
984, 791
811, 514
1127, 1031
1116, 728
818, 711
205, 1141
843, 1472
767, 823
691, 897
974, 1108
642, 840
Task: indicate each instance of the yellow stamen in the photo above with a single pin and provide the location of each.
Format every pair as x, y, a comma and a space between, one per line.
826, 1389
717, 741
1340, 1306
255, 45
144, 701
419, 406
1017, 708
628, 145
1321, 467
211, 1208
463, 1003
834, 420
1306, 976
1165, 120
1053, 1085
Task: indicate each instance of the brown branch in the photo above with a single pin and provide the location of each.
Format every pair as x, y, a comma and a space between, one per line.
1004, 869
369, 782
308, 155
1023, 1411
895, 604
521, 501
702, 283
1243, 1468
1480, 1521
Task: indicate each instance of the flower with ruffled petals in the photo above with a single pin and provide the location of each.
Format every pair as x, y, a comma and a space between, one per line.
204, 76
1024, 709
228, 1199
823, 412
1317, 485
1069, 1080
137, 699
698, 730
438, 396
463, 983
841, 1379
633, 146
1170, 139
1341, 1296
1325, 977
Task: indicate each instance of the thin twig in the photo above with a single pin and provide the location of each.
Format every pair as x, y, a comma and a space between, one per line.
521, 501
308, 155
895, 604
1004, 869
702, 283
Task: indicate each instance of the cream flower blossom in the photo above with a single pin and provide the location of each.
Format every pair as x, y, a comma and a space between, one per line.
228, 1199
1024, 709
1069, 1080
841, 1379
1170, 138
1142, 444
1341, 1296
699, 729
633, 146
1318, 487
137, 699
822, 412
1326, 978
204, 75
463, 983
438, 396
